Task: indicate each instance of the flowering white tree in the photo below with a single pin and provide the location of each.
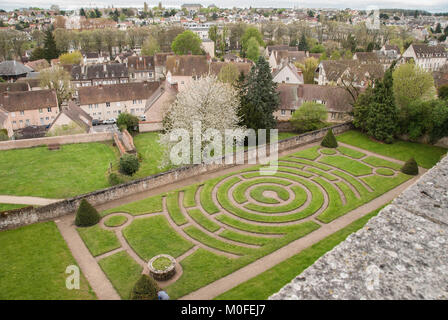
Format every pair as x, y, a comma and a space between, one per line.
202, 112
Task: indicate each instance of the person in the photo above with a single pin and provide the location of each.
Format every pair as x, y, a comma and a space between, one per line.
162, 295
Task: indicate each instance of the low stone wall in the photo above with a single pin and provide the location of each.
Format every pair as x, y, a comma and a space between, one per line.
150, 126
76, 138
442, 142
402, 253
31, 215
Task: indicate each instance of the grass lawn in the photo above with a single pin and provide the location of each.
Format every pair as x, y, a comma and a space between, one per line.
10, 206
425, 155
33, 260
148, 205
98, 240
74, 169
148, 147
271, 281
115, 221
152, 236
122, 271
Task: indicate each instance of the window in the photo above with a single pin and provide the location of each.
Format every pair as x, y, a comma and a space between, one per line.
118, 104
47, 118
13, 114
140, 101
134, 101
42, 121
49, 109
132, 111
96, 105
283, 112
14, 122
107, 104
27, 122
40, 110
22, 113
287, 78
90, 106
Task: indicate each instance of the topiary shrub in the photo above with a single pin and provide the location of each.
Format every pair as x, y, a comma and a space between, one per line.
329, 140
86, 215
410, 167
145, 288
128, 164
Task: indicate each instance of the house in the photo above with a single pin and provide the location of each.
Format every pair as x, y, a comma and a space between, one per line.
108, 101
430, 58
348, 72
71, 119
337, 100
279, 57
288, 73
14, 86
229, 57
94, 58
366, 57
390, 50
30, 108
183, 69
141, 68
5, 123
209, 47
269, 49
160, 64
96, 74
156, 107
32, 83
244, 67
38, 65
11, 70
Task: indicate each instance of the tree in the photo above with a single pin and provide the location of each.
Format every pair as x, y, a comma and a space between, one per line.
308, 68
74, 57
410, 167
205, 100
146, 288
187, 43
309, 116
251, 32
50, 49
329, 141
228, 73
82, 12
303, 44
253, 49
58, 79
37, 54
150, 46
127, 120
128, 164
213, 34
375, 112
443, 91
259, 98
412, 83
86, 215
335, 55
318, 48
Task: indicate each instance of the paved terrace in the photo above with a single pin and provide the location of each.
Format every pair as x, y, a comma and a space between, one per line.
402, 253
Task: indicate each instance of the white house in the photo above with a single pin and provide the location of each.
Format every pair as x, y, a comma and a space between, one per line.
288, 73
430, 58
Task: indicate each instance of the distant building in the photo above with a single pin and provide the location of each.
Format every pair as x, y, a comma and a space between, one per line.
74, 117
96, 74
288, 73
181, 70
192, 7
141, 68
430, 58
11, 70
108, 101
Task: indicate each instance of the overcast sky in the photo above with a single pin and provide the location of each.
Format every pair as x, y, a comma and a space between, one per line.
429, 5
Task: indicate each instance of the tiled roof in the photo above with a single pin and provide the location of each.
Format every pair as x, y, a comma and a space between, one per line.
423, 51
187, 65
13, 68
28, 100
15, 86
215, 67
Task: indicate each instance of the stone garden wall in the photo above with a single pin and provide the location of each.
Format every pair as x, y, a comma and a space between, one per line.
20, 217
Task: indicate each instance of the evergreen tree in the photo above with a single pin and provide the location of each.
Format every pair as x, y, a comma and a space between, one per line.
82, 12
50, 49
375, 111
303, 44
259, 98
86, 215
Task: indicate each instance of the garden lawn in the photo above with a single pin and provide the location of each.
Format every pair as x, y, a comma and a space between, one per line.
271, 281
425, 155
33, 260
74, 169
98, 240
11, 206
148, 147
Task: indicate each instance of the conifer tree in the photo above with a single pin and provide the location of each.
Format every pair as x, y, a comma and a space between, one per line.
50, 49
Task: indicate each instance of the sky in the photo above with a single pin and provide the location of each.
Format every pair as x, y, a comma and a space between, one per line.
429, 5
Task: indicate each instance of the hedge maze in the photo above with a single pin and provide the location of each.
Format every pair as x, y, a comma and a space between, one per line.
223, 224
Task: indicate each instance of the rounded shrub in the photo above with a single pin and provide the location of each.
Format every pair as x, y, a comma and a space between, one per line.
86, 215
145, 288
128, 164
410, 167
114, 179
329, 140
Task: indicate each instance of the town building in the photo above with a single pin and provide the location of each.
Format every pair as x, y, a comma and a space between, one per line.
430, 58
181, 70
141, 68
96, 74
71, 119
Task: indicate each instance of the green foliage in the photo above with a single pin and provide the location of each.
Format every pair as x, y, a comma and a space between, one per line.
229, 73
253, 49
114, 179
128, 164
375, 112
150, 46
410, 167
309, 116
443, 92
329, 140
259, 98
37, 54
3, 135
251, 32
146, 288
318, 48
86, 215
74, 57
187, 43
410, 83
308, 68
303, 44
127, 120
50, 49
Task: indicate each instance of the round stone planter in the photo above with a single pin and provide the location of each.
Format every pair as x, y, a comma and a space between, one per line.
162, 275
